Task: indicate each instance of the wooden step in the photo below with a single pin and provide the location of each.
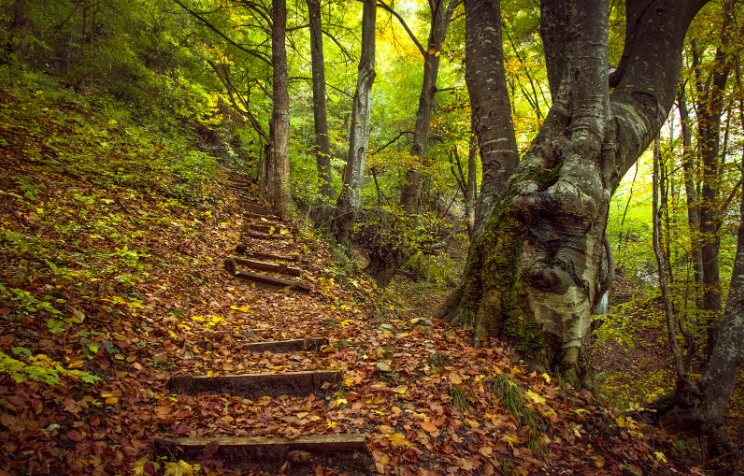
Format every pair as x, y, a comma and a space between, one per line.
271, 281
266, 236
297, 384
259, 210
243, 250
261, 266
270, 219
308, 344
266, 227
299, 456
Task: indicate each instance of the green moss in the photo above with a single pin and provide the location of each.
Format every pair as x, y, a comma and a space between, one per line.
520, 324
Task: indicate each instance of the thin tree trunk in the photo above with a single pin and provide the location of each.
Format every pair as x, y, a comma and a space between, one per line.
709, 124
322, 149
693, 210
661, 262
350, 199
280, 115
387, 257
489, 98
440, 19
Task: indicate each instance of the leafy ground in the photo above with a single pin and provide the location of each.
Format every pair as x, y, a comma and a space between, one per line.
113, 237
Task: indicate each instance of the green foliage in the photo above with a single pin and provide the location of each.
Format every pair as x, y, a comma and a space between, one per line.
459, 398
40, 368
510, 395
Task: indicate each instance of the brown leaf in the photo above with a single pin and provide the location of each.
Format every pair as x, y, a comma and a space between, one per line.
454, 378
210, 449
74, 435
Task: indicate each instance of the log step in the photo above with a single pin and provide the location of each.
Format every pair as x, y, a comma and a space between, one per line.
251, 386
266, 227
308, 344
243, 250
347, 453
261, 266
272, 219
271, 281
258, 209
266, 236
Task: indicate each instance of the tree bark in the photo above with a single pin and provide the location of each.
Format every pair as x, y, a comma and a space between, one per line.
489, 98
280, 115
350, 200
470, 187
322, 149
532, 274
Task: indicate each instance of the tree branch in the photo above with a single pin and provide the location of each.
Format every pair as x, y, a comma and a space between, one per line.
385, 6
214, 29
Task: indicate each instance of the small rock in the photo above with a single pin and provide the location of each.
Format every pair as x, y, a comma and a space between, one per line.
451, 334
387, 327
384, 367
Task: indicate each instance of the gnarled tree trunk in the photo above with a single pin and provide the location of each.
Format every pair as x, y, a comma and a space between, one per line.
532, 273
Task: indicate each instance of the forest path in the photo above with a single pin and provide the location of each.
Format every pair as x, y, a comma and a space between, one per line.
271, 244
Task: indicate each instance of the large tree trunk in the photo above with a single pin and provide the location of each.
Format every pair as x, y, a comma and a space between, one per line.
532, 274
387, 257
350, 199
280, 115
489, 98
322, 149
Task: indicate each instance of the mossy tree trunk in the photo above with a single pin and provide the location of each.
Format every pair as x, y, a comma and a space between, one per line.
532, 272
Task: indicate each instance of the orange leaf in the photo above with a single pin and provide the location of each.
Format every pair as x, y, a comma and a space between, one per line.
455, 379
429, 426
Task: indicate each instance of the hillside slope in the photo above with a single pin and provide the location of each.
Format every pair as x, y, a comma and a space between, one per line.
114, 236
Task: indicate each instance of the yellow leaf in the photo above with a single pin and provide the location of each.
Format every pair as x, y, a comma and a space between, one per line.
346, 322
210, 373
660, 457
172, 334
272, 230
341, 401
198, 318
76, 364
111, 400
181, 468
398, 439
332, 424
546, 377
431, 51
535, 397
283, 231
241, 308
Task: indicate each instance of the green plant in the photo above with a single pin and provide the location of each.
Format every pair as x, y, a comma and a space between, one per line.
510, 396
459, 398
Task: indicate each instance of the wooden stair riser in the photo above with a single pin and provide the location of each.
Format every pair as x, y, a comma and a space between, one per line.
309, 344
346, 453
261, 266
251, 386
